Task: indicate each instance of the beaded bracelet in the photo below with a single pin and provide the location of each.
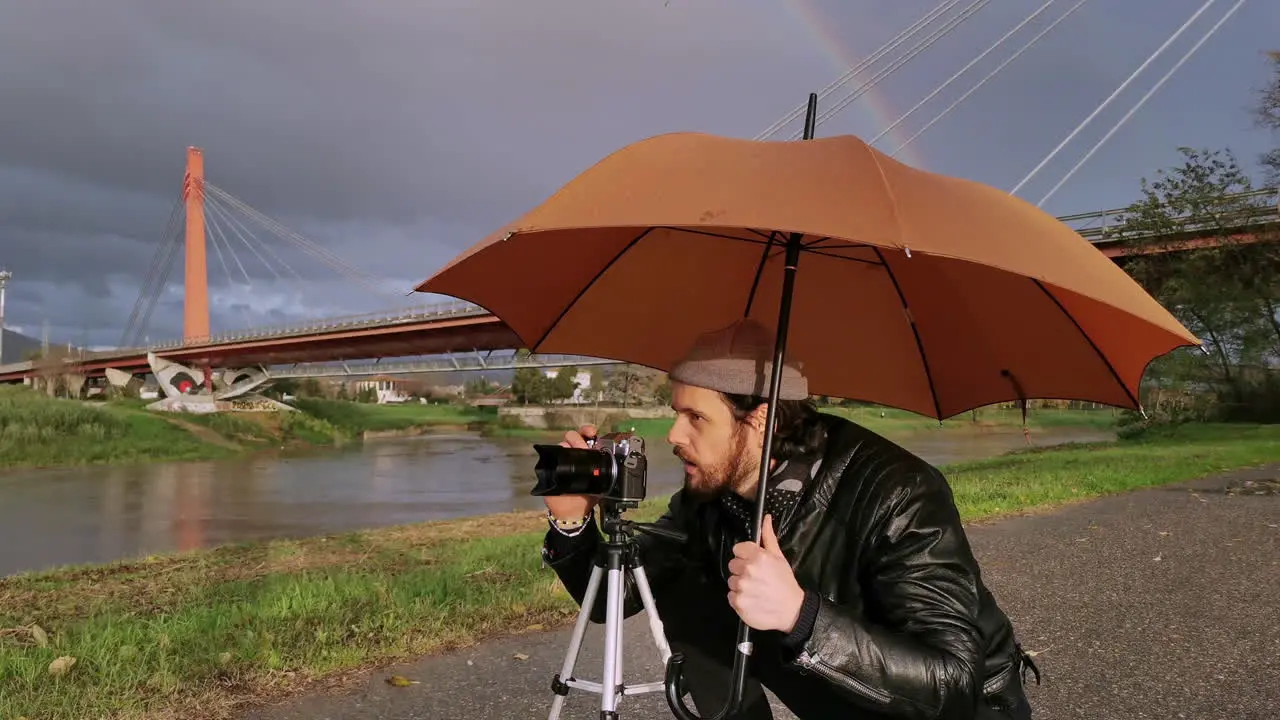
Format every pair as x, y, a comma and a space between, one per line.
568, 527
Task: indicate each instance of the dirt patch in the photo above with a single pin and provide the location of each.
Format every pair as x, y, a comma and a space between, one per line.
203, 433
1245, 486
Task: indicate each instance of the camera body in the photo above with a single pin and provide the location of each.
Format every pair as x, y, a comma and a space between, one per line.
614, 468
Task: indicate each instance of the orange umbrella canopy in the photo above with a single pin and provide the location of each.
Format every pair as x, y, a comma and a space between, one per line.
914, 290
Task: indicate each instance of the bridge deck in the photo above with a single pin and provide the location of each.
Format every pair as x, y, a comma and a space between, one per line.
461, 327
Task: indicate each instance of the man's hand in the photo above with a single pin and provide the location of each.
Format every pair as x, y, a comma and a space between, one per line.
762, 588
573, 507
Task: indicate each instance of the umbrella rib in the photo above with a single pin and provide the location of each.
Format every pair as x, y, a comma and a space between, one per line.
755, 283
771, 244
915, 331
844, 257
587, 287
1105, 361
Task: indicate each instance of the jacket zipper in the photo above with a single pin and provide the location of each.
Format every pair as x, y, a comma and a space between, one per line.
996, 683
813, 662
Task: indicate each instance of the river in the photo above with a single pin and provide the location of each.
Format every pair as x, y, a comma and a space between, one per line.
100, 514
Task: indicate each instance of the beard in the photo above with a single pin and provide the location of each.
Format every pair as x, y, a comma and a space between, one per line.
731, 473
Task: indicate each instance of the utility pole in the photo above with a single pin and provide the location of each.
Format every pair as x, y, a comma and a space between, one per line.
4, 282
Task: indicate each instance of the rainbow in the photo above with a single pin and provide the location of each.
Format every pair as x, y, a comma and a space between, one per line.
873, 104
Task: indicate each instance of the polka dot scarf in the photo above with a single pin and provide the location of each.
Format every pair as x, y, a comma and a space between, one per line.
785, 486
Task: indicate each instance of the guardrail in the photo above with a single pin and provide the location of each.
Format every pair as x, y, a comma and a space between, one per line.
380, 318
1109, 221
450, 364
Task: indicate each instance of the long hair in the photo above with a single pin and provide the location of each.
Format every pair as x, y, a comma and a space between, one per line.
798, 430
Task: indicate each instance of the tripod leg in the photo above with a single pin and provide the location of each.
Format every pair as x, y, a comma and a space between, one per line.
575, 644
612, 635
651, 612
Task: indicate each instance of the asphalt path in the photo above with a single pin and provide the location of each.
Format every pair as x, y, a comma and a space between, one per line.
1160, 603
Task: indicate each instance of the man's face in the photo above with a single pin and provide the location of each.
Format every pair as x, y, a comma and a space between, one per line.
719, 452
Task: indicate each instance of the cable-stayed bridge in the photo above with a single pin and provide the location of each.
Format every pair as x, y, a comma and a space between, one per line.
209, 226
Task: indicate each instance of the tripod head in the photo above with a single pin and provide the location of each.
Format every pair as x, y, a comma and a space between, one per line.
621, 530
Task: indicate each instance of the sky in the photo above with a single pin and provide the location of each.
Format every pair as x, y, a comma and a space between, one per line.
396, 133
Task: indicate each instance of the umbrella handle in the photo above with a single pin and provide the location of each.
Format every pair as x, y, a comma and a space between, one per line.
675, 694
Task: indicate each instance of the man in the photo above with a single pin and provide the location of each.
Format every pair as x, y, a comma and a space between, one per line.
865, 597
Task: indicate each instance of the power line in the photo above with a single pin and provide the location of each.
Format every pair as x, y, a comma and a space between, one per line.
1155, 88
937, 35
897, 40
1177, 33
989, 75
963, 70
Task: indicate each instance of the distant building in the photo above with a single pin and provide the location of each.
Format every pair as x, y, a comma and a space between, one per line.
386, 388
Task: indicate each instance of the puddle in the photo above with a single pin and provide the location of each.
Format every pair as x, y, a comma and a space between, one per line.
1263, 486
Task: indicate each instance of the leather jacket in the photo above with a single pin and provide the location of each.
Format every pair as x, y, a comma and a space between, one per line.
904, 626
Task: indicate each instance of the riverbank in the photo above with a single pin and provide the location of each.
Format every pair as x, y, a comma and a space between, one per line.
197, 633
38, 431
886, 421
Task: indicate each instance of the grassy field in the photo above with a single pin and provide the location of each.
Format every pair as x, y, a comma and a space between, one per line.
888, 421
39, 431
36, 431
195, 635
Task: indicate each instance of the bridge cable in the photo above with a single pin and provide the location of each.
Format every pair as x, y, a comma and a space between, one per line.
1155, 88
218, 239
1176, 34
963, 70
228, 218
912, 29
138, 328
160, 286
949, 26
306, 245
156, 259
270, 268
246, 234
1029, 44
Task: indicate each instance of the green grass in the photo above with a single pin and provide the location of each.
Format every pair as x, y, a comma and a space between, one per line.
197, 634
888, 421
38, 431
357, 418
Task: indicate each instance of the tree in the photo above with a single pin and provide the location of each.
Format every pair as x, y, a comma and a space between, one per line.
564, 384
1227, 294
529, 386
479, 386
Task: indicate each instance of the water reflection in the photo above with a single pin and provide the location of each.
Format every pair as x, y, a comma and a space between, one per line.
89, 515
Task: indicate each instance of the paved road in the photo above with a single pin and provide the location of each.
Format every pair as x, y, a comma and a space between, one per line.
1157, 604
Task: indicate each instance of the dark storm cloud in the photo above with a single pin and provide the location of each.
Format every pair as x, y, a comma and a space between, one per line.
396, 132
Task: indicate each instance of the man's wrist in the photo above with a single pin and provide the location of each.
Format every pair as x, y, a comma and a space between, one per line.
806, 616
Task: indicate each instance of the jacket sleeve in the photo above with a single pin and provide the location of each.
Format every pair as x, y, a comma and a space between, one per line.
572, 559
920, 574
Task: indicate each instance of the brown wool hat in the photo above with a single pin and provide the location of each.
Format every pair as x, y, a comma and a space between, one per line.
738, 360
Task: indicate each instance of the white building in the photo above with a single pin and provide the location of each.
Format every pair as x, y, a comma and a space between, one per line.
583, 382
387, 389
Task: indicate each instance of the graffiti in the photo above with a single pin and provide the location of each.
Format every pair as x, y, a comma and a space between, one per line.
253, 405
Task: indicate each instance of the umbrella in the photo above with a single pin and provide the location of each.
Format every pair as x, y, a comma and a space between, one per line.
915, 290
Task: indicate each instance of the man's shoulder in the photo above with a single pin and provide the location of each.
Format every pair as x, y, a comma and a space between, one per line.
857, 456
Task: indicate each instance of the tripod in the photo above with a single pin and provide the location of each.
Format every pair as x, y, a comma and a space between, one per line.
616, 555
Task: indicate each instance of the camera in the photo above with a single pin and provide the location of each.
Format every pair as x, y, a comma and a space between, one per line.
613, 467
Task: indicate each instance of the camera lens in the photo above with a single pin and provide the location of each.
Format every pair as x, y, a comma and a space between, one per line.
572, 471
